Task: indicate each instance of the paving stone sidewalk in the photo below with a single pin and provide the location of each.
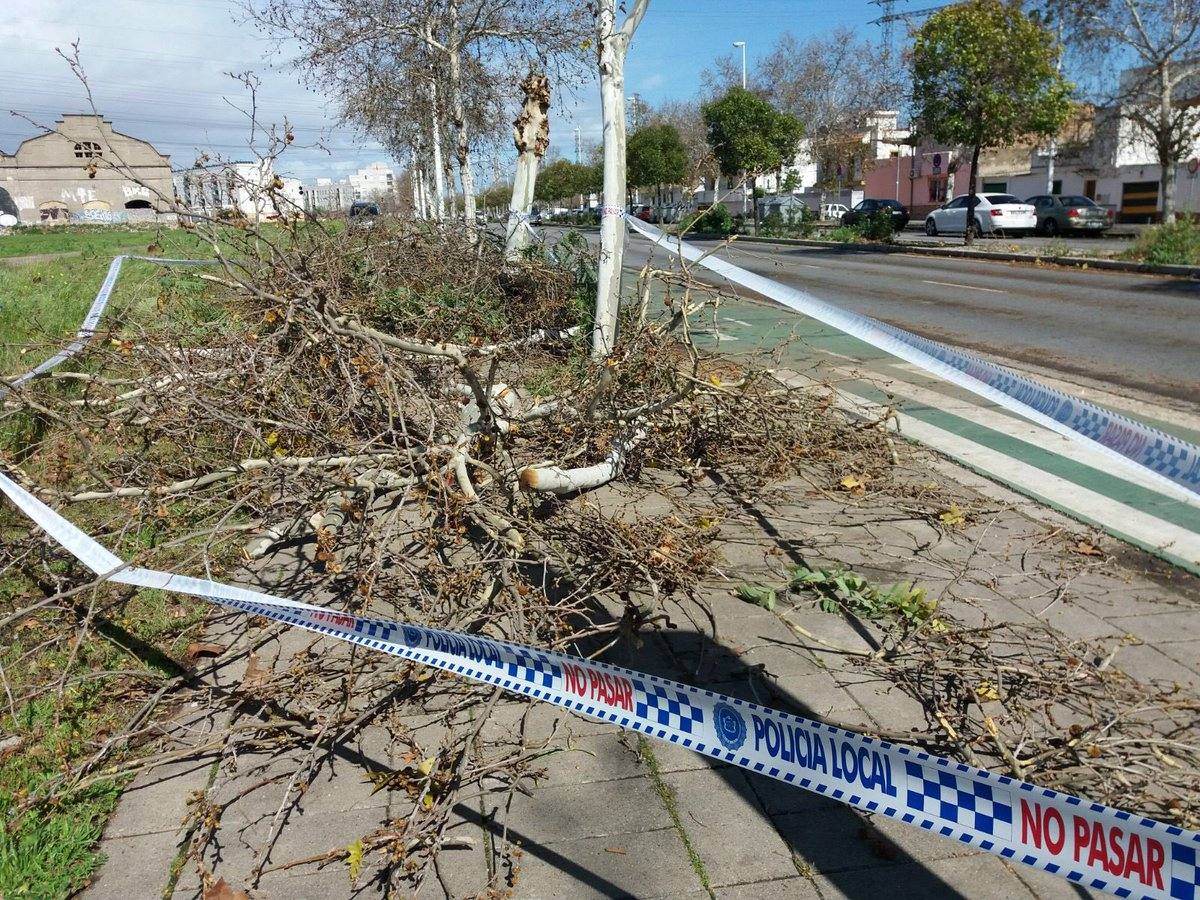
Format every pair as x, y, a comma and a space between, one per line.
615, 816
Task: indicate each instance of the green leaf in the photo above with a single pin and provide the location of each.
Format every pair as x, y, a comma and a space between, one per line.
757, 594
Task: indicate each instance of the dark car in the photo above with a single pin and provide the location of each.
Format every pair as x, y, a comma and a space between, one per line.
642, 211
1058, 213
866, 208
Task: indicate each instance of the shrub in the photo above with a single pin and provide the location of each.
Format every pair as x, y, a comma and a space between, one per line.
714, 219
879, 226
1177, 244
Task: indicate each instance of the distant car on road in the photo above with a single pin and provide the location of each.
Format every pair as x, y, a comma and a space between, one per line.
363, 213
1057, 213
642, 211
833, 212
993, 213
866, 208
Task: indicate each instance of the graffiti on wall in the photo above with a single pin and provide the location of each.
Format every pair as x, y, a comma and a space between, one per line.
102, 217
131, 190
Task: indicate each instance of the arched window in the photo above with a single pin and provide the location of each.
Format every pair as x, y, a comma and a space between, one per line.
138, 204
87, 150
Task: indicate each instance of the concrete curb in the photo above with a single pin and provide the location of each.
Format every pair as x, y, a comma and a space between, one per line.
1078, 262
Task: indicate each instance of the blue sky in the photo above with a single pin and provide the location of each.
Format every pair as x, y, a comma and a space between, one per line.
157, 68
678, 39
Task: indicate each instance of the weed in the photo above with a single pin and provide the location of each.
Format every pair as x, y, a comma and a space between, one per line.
1177, 244
842, 590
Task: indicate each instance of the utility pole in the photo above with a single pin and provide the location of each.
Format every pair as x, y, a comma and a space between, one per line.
635, 111
578, 149
742, 44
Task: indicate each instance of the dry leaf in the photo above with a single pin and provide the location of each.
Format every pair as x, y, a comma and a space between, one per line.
855, 484
1093, 751
204, 648
985, 691
620, 850
256, 674
952, 516
220, 890
1083, 548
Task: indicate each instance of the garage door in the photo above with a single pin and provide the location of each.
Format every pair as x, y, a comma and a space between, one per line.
1139, 202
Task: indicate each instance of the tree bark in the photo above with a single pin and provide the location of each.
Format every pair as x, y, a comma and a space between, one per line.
435, 128
531, 136
462, 140
972, 198
1164, 140
612, 203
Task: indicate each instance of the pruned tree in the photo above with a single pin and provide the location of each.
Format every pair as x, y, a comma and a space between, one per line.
749, 136
1158, 95
984, 76
531, 135
612, 45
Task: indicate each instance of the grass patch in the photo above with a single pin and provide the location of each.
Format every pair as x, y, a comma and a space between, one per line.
1177, 244
64, 697
646, 752
96, 240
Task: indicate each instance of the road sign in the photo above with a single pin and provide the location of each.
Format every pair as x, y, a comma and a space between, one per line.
937, 163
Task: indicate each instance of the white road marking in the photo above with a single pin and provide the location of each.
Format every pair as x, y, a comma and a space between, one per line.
1141, 527
809, 266
969, 287
737, 322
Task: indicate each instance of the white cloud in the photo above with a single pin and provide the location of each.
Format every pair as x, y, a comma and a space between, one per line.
157, 69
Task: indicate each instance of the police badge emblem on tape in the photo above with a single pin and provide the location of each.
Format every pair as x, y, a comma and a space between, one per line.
1087, 843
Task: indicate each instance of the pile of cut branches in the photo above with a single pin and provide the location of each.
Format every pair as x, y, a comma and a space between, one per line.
406, 425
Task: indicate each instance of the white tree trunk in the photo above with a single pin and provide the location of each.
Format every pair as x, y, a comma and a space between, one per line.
531, 136
612, 46
463, 142
439, 208
1168, 163
414, 177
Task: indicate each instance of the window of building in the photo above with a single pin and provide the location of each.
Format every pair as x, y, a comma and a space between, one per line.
938, 185
1056, 186
999, 187
138, 204
1089, 188
87, 150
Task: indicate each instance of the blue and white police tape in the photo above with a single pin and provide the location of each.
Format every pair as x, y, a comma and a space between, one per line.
1172, 463
92, 319
1086, 843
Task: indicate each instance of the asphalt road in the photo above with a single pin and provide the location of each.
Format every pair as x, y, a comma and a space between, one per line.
1119, 330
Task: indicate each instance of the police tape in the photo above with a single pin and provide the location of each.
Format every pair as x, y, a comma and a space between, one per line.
1087, 843
95, 311
1172, 463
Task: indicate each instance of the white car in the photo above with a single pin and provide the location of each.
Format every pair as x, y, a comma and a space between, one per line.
994, 213
833, 212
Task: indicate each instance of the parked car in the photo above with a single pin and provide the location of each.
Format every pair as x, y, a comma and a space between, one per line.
642, 211
866, 208
833, 212
993, 213
1069, 212
363, 213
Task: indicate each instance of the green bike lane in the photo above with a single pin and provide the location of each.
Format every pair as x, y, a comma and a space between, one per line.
975, 432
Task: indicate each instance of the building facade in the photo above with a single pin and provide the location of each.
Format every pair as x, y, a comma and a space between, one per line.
85, 171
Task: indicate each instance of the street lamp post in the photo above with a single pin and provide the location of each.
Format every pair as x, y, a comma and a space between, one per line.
742, 45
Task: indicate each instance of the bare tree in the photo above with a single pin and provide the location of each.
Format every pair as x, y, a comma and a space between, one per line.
612, 44
1158, 95
476, 45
